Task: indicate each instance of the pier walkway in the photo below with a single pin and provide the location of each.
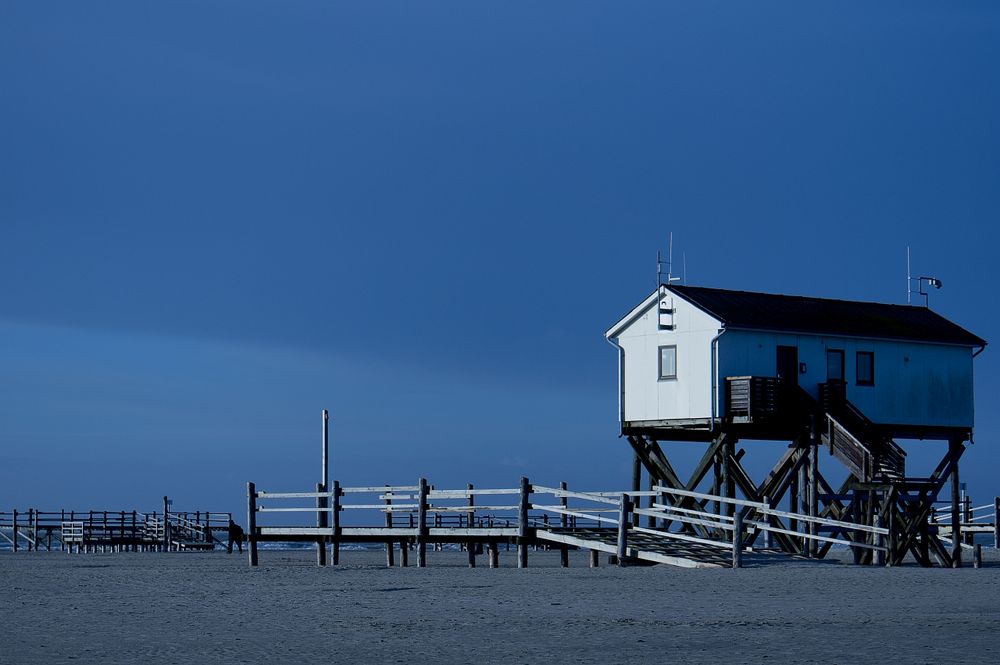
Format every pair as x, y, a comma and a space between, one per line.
115, 531
662, 525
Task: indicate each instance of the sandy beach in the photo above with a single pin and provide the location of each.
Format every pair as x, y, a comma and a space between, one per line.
181, 607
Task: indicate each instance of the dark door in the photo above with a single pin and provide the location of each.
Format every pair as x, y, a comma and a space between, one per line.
788, 366
834, 366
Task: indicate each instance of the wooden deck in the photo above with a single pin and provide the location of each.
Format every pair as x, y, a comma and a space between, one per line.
679, 530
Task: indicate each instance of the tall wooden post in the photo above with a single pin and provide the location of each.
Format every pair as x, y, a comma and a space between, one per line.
803, 488
389, 558
813, 485
422, 523
166, 524
522, 524
636, 482
563, 522
14, 524
738, 537
767, 521
624, 509
252, 523
321, 516
493, 552
880, 541
326, 449
31, 526
335, 516
729, 450
471, 545
956, 516
996, 523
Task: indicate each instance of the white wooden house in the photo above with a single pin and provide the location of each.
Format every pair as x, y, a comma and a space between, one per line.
905, 367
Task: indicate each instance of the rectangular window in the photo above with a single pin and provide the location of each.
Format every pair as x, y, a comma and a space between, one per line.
866, 368
668, 362
834, 365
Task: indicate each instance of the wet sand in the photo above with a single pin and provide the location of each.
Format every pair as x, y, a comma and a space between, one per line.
119, 608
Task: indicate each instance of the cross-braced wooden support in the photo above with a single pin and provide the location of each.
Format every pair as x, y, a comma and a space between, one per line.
903, 506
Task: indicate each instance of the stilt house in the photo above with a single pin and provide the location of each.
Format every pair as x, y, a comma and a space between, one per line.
721, 366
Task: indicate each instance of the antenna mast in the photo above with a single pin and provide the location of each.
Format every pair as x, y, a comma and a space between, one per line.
669, 263
920, 282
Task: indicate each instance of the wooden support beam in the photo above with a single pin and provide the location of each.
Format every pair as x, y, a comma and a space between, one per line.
623, 522
251, 523
522, 523
956, 517
636, 481
335, 513
321, 521
471, 518
389, 559
563, 522
738, 538
422, 523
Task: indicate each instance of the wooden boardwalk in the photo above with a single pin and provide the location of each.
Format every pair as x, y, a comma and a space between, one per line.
116, 531
680, 528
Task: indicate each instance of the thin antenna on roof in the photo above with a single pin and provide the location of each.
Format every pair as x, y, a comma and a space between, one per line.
669, 262
920, 281
908, 278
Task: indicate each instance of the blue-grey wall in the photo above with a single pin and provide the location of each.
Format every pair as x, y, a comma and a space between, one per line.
915, 384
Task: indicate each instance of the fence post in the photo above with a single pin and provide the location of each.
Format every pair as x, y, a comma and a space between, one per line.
422, 523
563, 519
31, 523
767, 522
166, 526
624, 509
471, 546
737, 537
522, 524
252, 523
996, 522
335, 512
389, 555
879, 541
15, 530
321, 522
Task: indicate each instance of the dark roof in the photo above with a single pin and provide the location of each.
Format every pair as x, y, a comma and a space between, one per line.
766, 311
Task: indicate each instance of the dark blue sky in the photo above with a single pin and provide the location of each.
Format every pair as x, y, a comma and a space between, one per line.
217, 218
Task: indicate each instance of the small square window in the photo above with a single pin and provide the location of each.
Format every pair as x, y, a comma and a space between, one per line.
668, 362
866, 368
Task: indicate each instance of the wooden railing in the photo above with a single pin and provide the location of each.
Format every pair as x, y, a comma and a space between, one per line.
583, 519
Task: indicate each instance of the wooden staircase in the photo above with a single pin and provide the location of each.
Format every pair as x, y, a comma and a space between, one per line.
855, 440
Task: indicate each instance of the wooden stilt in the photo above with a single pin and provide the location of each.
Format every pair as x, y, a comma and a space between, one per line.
956, 518
738, 538
389, 559
335, 520
251, 523
623, 521
470, 518
422, 524
595, 558
636, 482
321, 516
522, 524
563, 523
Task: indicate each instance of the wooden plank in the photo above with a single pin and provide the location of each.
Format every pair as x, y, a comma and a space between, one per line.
586, 496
